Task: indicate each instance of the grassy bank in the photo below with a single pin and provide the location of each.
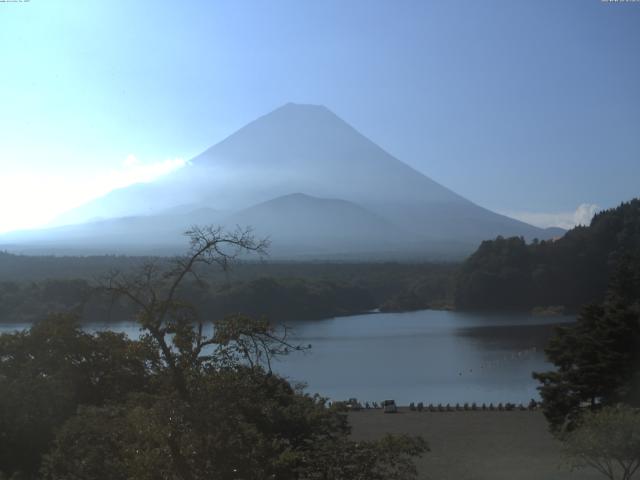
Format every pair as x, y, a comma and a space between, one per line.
475, 445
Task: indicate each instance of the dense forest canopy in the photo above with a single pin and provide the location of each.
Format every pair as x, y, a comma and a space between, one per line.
597, 359
31, 287
508, 273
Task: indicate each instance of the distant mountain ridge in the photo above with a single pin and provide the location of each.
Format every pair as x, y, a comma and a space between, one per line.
317, 225
308, 150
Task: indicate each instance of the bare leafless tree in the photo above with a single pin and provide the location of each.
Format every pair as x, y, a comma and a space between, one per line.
174, 325
608, 441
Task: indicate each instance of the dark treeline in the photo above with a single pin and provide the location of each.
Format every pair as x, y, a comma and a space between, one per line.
505, 273
31, 268
597, 359
574, 270
32, 287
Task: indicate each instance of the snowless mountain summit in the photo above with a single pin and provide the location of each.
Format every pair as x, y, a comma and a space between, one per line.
309, 151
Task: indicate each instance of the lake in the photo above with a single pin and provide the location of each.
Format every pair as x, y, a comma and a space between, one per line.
426, 356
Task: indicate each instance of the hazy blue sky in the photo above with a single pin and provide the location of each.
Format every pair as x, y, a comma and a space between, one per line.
521, 106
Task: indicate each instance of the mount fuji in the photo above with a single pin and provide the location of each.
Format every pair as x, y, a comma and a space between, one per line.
300, 175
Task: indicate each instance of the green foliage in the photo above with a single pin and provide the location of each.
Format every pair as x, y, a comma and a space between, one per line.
238, 424
607, 440
46, 372
495, 276
28, 301
288, 299
598, 358
187, 401
279, 292
88, 418
571, 271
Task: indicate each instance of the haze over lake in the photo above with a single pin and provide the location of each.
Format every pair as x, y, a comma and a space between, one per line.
430, 356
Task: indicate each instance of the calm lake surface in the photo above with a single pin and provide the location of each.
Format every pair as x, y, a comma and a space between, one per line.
429, 356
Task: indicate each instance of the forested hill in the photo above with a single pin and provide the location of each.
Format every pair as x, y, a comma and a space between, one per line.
32, 287
507, 273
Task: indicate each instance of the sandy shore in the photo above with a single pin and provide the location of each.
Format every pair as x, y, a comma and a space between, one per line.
475, 445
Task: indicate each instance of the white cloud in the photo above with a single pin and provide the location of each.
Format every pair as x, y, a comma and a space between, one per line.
580, 216
135, 171
33, 199
130, 161
584, 213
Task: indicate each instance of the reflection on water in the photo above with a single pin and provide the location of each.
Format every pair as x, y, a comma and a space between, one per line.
428, 356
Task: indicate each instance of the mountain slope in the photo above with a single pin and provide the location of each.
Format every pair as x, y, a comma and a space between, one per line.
137, 234
302, 224
308, 149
